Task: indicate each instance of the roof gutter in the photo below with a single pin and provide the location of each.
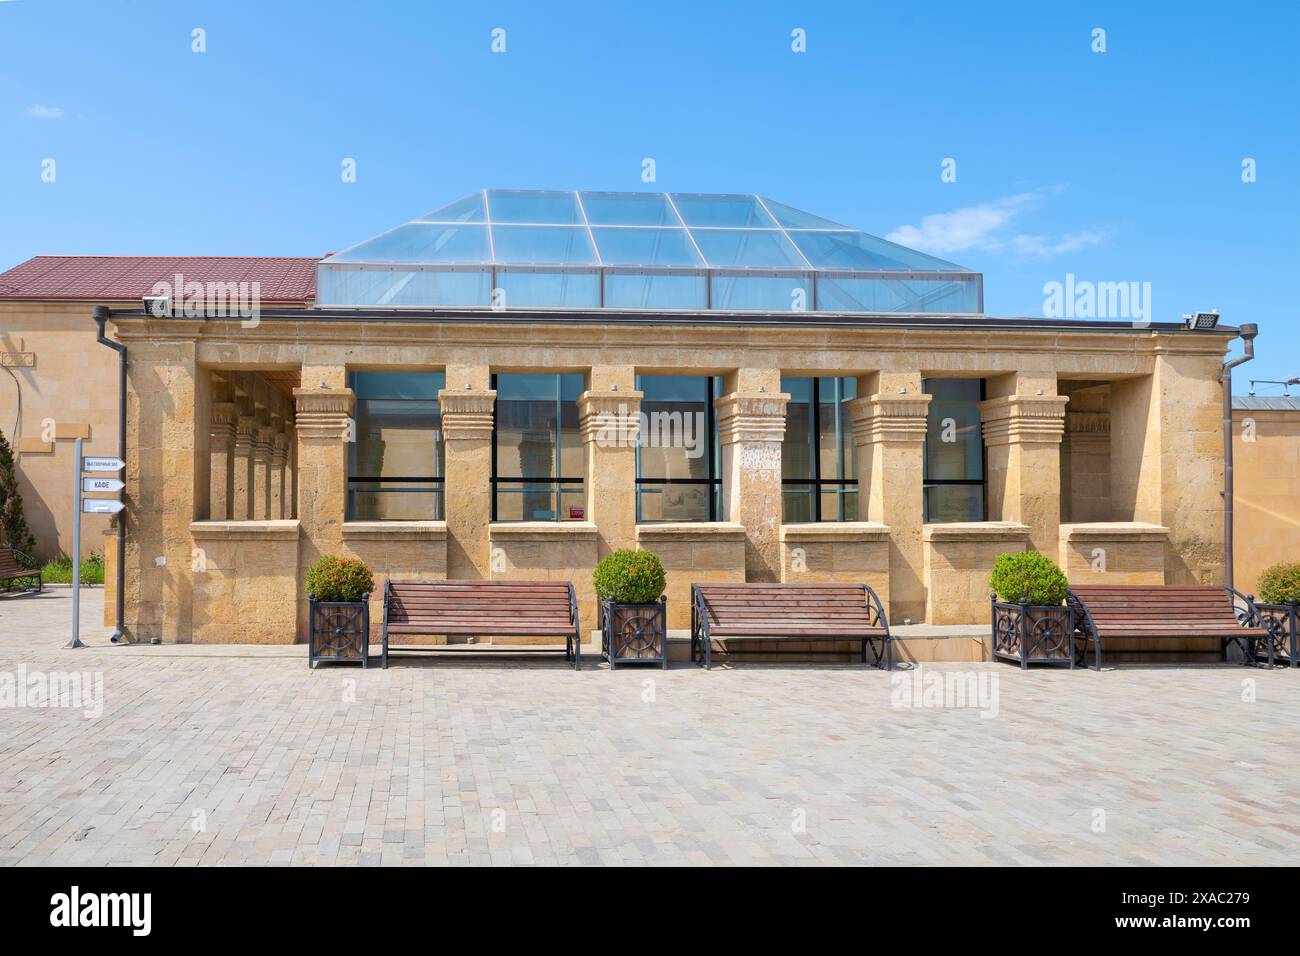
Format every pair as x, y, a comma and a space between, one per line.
610, 317
101, 314
1248, 331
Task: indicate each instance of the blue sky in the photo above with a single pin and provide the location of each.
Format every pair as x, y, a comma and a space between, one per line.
1117, 166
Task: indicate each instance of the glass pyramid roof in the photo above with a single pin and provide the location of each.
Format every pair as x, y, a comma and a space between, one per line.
629, 250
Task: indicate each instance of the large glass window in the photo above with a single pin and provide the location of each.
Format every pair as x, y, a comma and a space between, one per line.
678, 477
538, 462
395, 463
954, 451
818, 468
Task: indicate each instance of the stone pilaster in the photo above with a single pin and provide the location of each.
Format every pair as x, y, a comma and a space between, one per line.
1022, 440
467, 435
609, 422
263, 444
751, 426
221, 443
889, 433
1167, 461
241, 497
279, 456
168, 422
324, 427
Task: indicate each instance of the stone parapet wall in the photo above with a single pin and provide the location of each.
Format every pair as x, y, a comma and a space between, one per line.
958, 560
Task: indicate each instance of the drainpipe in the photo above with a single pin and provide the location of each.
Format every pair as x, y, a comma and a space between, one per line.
1248, 331
100, 315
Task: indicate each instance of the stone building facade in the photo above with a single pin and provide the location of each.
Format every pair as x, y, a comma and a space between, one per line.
239, 441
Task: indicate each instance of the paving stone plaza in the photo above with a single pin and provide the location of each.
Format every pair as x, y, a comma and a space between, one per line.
221, 755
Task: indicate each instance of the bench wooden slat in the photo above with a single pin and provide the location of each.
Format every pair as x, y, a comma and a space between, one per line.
788, 612
482, 608
1161, 612
11, 570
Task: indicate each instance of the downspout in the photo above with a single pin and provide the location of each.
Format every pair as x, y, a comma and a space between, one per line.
1247, 331
100, 315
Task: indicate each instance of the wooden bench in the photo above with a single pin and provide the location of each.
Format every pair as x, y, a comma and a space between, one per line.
484, 608
11, 571
789, 612
1129, 611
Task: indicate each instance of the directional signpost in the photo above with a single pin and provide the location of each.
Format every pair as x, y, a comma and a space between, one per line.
90, 506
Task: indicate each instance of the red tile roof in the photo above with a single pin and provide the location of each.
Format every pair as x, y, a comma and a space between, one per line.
112, 278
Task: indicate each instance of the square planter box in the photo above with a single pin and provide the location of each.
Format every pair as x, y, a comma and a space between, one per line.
1283, 623
1034, 633
634, 633
338, 631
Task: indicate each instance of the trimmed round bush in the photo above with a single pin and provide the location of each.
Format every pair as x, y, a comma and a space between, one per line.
1028, 576
339, 579
1279, 584
628, 576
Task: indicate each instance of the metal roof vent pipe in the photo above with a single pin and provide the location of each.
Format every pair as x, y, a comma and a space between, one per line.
1247, 331
101, 315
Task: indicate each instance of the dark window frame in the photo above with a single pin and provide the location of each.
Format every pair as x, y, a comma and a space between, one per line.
713, 456
437, 485
983, 481
818, 483
558, 483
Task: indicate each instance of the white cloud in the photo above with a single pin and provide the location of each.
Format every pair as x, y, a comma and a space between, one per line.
45, 112
987, 227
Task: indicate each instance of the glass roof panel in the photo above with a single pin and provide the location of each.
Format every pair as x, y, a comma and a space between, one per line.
533, 206
629, 209
646, 247
742, 212
469, 209
746, 248
640, 250
857, 250
550, 245
422, 242
793, 218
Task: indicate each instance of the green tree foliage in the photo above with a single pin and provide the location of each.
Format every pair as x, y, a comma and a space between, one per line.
13, 524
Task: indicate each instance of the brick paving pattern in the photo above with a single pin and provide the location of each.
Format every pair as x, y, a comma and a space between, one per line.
211, 755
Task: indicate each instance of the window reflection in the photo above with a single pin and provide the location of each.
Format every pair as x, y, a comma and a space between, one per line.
818, 459
538, 462
395, 464
954, 451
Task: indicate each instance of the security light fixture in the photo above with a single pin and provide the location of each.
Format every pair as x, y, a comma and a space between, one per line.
159, 306
1202, 320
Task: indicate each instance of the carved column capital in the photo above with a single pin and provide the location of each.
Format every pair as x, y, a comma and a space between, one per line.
323, 413
467, 413
221, 429
610, 418
751, 417
1023, 418
894, 418
245, 434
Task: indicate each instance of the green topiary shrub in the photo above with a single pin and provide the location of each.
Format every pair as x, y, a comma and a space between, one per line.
1280, 584
339, 579
630, 577
1028, 576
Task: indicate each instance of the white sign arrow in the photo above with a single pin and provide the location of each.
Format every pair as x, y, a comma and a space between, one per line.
102, 464
102, 484
101, 506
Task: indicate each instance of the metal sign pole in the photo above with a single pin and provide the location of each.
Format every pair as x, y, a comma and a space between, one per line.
76, 558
